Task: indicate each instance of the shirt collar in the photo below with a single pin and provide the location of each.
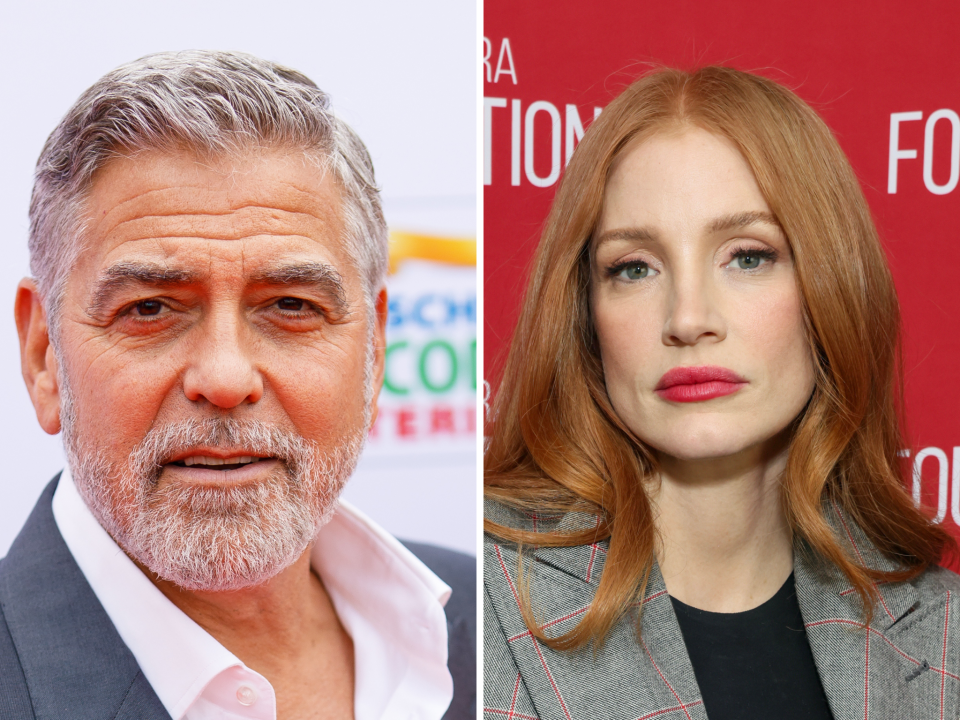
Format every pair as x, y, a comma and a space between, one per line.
388, 601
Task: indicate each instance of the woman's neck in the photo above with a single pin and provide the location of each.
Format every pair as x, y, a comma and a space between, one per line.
725, 545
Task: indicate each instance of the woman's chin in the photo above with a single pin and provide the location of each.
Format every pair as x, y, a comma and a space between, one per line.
715, 448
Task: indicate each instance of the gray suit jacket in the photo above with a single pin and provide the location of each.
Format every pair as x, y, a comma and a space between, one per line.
61, 657
906, 666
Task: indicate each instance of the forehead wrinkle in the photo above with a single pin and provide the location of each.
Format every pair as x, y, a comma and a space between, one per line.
134, 203
203, 212
235, 224
231, 193
120, 205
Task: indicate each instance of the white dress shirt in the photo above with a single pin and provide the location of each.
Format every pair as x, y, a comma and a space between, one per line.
388, 601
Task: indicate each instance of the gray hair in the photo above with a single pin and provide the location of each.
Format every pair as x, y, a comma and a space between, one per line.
214, 104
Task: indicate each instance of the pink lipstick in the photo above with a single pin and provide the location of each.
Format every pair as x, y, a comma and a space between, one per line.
697, 384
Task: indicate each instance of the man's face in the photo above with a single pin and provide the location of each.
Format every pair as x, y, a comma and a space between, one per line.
216, 345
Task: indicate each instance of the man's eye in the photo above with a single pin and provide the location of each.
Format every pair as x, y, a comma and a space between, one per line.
148, 307
291, 304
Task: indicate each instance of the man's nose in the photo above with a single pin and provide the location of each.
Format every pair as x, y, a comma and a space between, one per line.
693, 312
222, 369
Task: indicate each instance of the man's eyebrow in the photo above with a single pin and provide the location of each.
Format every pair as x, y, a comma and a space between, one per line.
735, 221
126, 274
318, 274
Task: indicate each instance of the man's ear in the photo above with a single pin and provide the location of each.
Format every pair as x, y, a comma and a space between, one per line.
38, 363
379, 349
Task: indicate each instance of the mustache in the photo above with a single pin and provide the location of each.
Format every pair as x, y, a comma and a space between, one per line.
164, 442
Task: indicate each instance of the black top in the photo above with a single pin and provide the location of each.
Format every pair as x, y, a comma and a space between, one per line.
754, 665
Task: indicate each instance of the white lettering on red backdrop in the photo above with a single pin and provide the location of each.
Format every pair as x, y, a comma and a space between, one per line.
537, 132
931, 150
945, 481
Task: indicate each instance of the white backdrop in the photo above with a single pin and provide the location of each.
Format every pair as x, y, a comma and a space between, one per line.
402, 74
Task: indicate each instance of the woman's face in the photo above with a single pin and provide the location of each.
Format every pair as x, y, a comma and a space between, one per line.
695, 301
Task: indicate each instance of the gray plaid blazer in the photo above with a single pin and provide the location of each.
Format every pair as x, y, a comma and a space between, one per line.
905, 666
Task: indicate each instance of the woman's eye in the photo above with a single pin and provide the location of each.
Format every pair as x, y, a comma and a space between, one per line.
750, 260
291, 304
146, 308
634, 271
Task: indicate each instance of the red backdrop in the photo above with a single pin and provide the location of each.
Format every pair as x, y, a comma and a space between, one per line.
549, 64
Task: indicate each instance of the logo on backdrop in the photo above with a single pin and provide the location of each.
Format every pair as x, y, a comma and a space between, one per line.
538, 129
938, 148
430, 378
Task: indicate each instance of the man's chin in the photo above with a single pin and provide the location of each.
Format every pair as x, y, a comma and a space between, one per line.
226, 536
218, 577
222, 553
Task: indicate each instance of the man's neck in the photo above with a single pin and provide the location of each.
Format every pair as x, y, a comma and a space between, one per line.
287, 630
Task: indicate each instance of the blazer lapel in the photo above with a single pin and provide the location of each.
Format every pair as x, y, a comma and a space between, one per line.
73, 660
893, 669
672, 680
622, 679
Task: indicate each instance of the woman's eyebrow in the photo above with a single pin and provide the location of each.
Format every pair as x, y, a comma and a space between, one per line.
633, 234
735, 221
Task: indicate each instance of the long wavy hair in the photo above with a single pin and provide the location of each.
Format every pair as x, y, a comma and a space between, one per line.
555, 442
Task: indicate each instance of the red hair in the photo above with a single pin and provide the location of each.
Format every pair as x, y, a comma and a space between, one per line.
556, 443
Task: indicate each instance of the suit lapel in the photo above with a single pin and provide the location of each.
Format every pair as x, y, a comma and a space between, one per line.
74, 662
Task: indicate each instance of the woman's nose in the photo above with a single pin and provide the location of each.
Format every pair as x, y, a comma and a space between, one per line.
693, 312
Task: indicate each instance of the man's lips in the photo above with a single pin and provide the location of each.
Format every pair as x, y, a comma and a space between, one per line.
697, 384
215, 459
217, 472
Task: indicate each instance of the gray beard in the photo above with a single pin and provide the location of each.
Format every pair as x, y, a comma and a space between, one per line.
211, 538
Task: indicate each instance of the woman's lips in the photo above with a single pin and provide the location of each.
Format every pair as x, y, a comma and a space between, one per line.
697, 384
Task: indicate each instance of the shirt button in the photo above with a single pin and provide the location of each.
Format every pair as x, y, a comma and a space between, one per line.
246, 695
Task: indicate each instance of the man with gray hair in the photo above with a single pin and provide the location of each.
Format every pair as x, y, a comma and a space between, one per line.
205, 324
